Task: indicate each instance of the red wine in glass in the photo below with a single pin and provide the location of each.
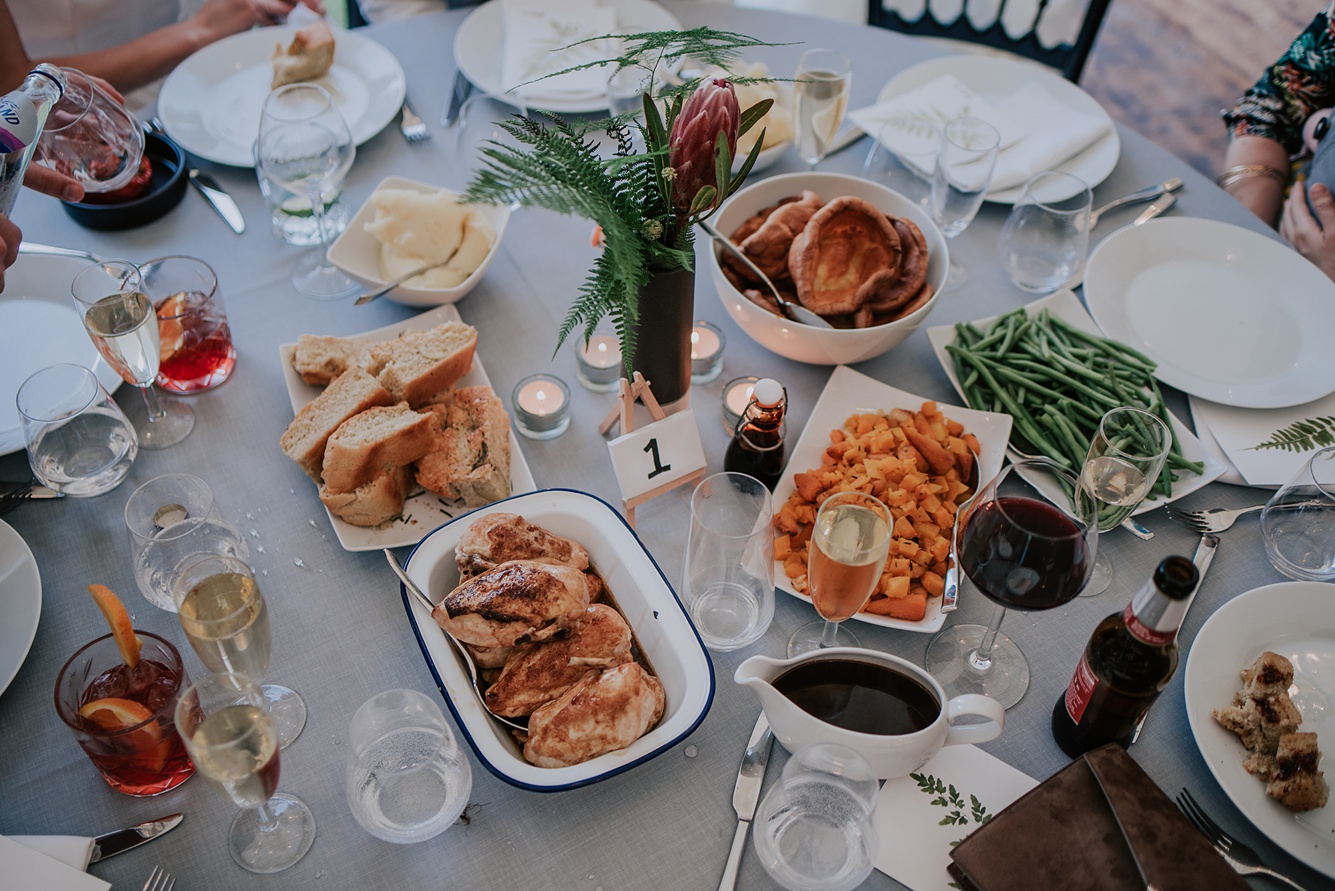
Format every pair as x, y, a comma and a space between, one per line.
1024, 553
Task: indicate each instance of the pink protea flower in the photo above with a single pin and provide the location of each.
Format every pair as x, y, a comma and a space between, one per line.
710, 110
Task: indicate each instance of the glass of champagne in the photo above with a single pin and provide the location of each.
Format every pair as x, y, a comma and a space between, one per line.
227, 623
123, 325
231, 737
964, 166
845, 558
820, 96
1124, 461
305, 146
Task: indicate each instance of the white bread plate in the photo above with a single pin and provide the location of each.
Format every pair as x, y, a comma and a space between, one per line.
357, 252
666, 636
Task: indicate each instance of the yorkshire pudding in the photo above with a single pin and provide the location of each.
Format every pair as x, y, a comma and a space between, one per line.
912, 268
846, 254
768, 246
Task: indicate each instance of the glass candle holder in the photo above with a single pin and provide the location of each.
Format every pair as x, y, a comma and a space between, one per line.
736, 395
541, 404
707, 343
598, 365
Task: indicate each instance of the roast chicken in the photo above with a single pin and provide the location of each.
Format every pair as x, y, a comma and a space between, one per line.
604, 712
517, 602
501, 537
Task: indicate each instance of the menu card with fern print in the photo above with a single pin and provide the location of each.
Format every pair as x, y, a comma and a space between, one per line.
1268, 446
920, 817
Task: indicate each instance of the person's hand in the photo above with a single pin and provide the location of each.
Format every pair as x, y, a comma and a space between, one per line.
49, 181
10, 236
222, 18
1313, 236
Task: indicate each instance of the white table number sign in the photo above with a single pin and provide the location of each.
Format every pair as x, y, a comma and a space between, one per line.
657, 457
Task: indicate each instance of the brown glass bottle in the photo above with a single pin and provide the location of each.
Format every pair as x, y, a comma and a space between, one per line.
1127, 663
757, 447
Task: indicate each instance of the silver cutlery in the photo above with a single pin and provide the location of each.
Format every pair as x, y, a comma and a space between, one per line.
222, 203
122, 840
1155, 209
746, 795
796, 313
368, 296
1216, 519
1242, 858
160, 880
412, 127
50, 250
459, 92
1147, 194
950, 590
14, 494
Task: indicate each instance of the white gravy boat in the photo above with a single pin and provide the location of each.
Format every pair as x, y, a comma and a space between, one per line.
892, 755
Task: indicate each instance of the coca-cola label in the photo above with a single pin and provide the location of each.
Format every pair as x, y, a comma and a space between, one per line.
1080, 690
1153, 618
18, 122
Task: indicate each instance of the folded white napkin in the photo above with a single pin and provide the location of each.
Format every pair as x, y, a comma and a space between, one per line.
25, 867
1053, 133
72, 850
534, 31
912, 121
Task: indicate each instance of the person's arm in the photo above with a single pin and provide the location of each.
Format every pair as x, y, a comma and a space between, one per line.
1247, 176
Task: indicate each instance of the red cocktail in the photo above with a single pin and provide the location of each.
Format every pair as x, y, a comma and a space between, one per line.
197, 352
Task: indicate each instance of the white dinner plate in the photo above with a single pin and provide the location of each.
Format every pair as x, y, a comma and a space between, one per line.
849, 392
20, 602
1067, 307
1229, 314
39, 327
478, 43
210, 104
1295, 620
424, 511
993, 79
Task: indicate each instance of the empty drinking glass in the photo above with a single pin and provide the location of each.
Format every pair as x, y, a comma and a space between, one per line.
1298, 522
407, 779
79, 442
729, 576
964, 166
905, 162
1044, 240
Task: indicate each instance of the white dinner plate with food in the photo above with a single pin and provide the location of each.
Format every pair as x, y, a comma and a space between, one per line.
479, 40
849, 392
424, 511
667, 641
1066, 306
1229, 314
37, 301
1293, 619
211, 103
993, 79
20, 603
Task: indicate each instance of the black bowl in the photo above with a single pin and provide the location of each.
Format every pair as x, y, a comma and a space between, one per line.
166, 185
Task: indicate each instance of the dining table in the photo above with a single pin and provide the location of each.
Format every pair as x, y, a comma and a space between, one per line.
340, 626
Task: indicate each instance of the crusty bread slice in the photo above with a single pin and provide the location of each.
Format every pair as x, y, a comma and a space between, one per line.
377, 501
417, 365
470, 453
309, 56
351, 393
321, 358
367, 442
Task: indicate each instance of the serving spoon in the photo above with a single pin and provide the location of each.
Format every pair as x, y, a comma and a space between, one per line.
799, 314
459, 647
368, 296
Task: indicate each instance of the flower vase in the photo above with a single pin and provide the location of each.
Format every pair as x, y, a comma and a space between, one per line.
663, 334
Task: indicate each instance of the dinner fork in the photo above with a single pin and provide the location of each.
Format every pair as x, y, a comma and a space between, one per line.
14, 497
1216, 519
412, 127
160, 880
1242, 858
1146, 194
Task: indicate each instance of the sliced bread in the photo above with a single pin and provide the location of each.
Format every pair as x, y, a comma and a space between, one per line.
418, 365
308, 57
470, 453
377, 501
366, 442
351, 393
321, 358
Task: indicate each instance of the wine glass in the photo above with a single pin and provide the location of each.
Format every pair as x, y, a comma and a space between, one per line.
305, 146
1124, 460
1020, 551
123, 325
479, 126
964, 166
1298, 522
820, 96
904, 164
231, 737
1046, 235
847, 553
226, 621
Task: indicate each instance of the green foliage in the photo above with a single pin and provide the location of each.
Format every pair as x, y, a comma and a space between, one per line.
1301, 436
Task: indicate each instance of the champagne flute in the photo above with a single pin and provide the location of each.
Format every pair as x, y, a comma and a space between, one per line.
1124, 461
226, 621
847, 553
305, 146
963, 172
231, 737
123, 325
1020, 551
820, 96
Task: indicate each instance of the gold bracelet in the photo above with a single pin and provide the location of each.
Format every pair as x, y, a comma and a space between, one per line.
1244, 171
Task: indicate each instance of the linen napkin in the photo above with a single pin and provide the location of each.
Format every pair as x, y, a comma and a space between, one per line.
1053, 133
72, 850
24, 867
917, 116
535, 32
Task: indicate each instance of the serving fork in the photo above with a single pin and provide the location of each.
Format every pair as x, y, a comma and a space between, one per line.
1243, 859
160, 880
412, 127
1216, 519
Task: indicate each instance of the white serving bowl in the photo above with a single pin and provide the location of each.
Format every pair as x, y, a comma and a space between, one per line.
665, 635
357, 252
804, 343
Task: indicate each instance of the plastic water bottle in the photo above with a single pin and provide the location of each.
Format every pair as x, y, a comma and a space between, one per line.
22, 116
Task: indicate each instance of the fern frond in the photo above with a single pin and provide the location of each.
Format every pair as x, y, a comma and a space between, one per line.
1301, 436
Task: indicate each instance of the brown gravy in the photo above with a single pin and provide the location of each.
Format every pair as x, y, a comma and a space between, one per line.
860, 696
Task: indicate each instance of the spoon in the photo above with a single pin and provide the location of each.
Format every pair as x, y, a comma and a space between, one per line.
950, 591
1146, 194
459, 647
799, 314
389, 286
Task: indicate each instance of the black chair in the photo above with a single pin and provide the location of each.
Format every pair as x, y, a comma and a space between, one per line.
1069, 59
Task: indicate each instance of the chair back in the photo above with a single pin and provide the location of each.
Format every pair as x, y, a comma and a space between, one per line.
1055, 32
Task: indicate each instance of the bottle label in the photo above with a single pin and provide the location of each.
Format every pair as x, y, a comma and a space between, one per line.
1081, 688
18, 122
1153, 618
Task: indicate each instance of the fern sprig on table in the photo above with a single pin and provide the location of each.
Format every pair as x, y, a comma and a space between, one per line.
1301, 436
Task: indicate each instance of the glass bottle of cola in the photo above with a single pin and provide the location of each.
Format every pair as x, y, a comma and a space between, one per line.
757, 446
22, 116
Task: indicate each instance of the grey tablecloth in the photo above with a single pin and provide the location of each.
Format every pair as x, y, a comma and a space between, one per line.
340, 630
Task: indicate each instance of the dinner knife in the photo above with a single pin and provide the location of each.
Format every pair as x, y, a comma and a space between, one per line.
27, 490
122, 840
746, 795
219, 200
459, 93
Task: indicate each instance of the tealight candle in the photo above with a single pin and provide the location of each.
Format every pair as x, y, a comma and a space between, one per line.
598, 365
736, 396
706, 352
542, 406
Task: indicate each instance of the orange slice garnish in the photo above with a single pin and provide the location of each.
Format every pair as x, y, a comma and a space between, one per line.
170, 331
119, 620
145, 745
